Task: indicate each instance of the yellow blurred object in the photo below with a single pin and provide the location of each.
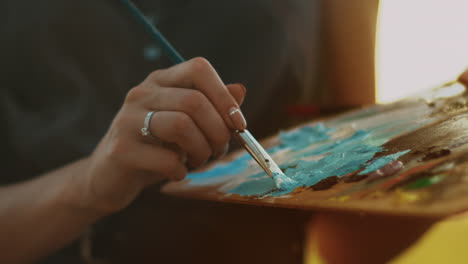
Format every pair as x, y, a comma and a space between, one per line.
446, 242
408, 197
311, 250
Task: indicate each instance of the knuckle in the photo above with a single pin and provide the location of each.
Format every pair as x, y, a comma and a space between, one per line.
181, 123
155, 75
135, 94
194, 100
200, 64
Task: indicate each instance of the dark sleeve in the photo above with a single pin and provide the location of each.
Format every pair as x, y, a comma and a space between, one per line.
6, 157
65, 69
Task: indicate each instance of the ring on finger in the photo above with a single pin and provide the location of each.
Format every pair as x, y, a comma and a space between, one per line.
145, 131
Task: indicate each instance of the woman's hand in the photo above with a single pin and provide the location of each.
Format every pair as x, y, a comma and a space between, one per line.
195, 113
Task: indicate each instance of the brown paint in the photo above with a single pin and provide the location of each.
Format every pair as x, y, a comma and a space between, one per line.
325, 184
436, 154
354, 177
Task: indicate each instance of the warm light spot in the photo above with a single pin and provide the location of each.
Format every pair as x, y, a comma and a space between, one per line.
443, 243
420, 44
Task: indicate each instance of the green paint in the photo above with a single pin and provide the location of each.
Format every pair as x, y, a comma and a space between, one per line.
424, 182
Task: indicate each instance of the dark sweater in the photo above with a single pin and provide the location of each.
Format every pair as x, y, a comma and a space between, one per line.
66, 66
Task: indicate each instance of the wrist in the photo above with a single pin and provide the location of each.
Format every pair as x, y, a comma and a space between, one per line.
75, 193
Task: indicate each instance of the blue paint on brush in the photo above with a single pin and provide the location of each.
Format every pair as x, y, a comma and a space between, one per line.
283, 182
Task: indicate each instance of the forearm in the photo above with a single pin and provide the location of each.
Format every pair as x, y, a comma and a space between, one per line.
41, 215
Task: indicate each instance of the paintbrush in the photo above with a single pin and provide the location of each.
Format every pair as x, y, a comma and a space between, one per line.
246, 139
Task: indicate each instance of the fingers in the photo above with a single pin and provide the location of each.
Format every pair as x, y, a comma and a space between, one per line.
200, 75
196, 106
237, 91
179, 128
191, 122
158, 160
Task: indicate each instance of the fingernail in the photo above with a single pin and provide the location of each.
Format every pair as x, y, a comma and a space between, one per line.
237, 118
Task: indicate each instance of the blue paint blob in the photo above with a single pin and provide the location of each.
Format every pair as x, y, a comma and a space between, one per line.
261, 184
339, 163
234, 167
342, 156
258, 175
274, 149
257, 187
380, 162
305, 136
335, 158
338, 145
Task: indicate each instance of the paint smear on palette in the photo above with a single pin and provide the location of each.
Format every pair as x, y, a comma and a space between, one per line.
295, 140
303, 137
380, 162
313, 157
214, 174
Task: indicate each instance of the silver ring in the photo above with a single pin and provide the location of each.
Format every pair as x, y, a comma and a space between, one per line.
145, 131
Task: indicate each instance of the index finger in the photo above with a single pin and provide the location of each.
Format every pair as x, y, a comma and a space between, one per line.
198, 74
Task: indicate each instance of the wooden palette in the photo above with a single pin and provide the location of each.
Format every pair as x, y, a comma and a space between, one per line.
433, 181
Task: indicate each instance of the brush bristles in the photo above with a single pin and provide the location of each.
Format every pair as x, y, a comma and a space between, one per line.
283, 182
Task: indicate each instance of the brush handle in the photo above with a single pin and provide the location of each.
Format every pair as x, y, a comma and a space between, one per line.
175, 57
